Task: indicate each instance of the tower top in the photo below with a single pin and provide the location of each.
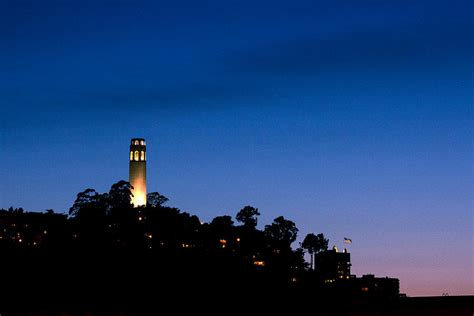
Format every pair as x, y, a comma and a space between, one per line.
138, 142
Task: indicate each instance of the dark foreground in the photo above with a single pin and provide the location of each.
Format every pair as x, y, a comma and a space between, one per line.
119, 285
419, 306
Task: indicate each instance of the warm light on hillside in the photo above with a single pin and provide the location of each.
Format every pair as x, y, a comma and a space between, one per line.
138, 198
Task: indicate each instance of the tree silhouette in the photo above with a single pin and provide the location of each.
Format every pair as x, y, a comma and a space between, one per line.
282, 230
221, 231
222, 222
120, 194
314, 244
248, 216
296, 260
89, 218
169, 229
155, 199
222, 226
126, 231
87, 199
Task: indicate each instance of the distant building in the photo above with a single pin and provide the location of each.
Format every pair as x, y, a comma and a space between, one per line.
137, 177
333, 272
375, 287
332, 265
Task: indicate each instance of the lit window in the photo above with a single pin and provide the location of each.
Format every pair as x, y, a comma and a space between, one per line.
223, 242
142, 155
136, 155
131, 155
142, 142
136, 142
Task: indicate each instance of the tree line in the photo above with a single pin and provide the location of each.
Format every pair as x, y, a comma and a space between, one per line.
109, 222
108, 246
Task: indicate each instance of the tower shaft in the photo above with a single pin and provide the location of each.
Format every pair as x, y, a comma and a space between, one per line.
137, 171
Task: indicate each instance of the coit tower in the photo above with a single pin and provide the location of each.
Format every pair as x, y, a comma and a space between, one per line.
138, 171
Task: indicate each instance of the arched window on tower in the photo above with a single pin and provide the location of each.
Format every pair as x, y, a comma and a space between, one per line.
142, 155
136, 155
142, 142
136, 142
131, 155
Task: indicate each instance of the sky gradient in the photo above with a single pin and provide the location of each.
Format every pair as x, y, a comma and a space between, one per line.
351, 118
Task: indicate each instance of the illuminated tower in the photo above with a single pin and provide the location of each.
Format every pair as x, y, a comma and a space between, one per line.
138, 171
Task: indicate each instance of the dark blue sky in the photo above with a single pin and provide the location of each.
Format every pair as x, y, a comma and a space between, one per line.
352, 118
